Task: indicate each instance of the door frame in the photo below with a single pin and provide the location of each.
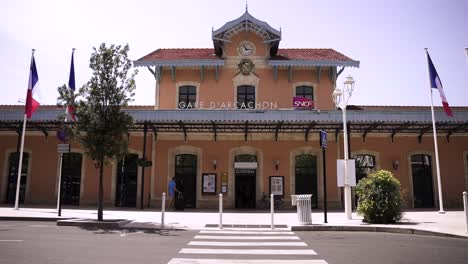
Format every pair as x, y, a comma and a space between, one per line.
4, 186
435, 189
233, 152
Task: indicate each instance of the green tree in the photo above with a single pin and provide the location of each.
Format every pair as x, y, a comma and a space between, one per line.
380, 198
102, 126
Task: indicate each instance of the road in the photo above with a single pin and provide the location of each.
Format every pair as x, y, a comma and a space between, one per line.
44, 242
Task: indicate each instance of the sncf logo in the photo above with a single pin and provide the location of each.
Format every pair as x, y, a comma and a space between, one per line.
302, 102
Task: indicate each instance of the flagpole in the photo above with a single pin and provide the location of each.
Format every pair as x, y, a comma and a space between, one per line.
18, 180
59, 192
436, 147
20, 165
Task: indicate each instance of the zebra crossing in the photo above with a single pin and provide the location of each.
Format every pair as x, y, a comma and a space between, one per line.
246, 247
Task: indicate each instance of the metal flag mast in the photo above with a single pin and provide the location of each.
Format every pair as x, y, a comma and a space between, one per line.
20, 162
436, 146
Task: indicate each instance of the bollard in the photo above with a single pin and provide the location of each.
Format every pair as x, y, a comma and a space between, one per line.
220, 226
163, 208
465, 207
272, 210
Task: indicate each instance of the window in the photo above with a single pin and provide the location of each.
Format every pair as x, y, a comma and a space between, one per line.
245, 97
187, 97
305, 91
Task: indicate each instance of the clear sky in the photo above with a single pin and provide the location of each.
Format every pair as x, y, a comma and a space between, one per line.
387, 37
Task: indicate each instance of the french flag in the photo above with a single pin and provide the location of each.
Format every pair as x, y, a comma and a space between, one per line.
71, 85
33, 96
436, 83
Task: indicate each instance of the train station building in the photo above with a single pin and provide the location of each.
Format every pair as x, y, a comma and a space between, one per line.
242, 118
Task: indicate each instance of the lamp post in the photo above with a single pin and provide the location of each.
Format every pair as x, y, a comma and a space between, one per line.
340, 98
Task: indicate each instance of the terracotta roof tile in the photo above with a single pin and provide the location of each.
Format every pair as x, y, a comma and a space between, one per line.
310, 54
180, 54
283, 54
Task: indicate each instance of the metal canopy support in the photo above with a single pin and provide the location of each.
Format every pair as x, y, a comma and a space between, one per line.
15, 128
369, 129
319, 71
42, 129
340, 71
202, 72
422, 132
337, 132
309, 127
153, 72
398, 129
184, 129
278, 127
173, 72
246, 130
275, 72
214, 130
451, 131
155, 132
289, 73
216, 72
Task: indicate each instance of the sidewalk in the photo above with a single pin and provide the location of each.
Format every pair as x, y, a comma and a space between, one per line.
452, 223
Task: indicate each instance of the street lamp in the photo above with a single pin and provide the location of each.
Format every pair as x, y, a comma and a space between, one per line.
340, 98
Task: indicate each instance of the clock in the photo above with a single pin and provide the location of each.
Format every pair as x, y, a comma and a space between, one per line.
246, 48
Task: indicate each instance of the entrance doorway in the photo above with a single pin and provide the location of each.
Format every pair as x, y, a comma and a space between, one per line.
71, 173
13, 160
306, 176
245, 181
186, 178
423, 191
127, 179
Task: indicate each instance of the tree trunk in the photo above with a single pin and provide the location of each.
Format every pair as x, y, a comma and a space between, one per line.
101, 189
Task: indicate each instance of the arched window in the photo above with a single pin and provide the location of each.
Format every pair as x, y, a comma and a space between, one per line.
245, 97
186, 178
187, 97
421, 169
71, 175
306, 176
305, 91
13, 160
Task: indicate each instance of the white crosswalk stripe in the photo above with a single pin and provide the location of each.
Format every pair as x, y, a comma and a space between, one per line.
245, 261
248, 237
246, 247
246, 244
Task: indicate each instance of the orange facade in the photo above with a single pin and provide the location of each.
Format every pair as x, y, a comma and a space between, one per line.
247, 159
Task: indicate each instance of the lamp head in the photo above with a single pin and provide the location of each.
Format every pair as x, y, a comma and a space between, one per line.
337, 93
349, 83
277, 163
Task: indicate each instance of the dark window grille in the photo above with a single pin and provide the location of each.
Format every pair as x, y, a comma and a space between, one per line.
187, 97
245, 97
305, 91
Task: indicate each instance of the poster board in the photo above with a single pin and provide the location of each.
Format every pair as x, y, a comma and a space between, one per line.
209, 183
277, 185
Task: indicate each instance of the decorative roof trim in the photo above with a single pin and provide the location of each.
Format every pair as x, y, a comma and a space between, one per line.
350, 63
262, 26
178, 63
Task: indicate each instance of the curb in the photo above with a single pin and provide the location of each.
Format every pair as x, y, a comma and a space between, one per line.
89, 223
27, 218
396, 230
117, 224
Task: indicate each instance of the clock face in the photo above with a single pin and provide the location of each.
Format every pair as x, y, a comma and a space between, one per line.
246, 48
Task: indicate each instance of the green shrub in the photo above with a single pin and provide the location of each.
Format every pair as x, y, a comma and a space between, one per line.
380, 198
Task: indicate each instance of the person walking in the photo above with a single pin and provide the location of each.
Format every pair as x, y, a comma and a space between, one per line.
172, 189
